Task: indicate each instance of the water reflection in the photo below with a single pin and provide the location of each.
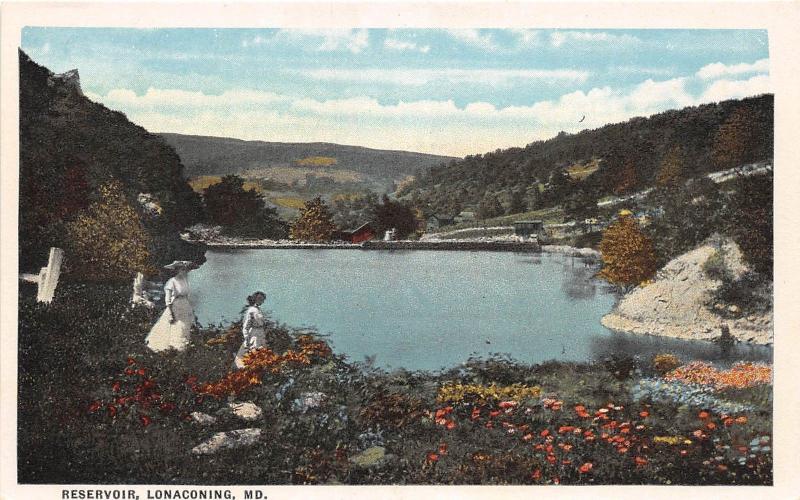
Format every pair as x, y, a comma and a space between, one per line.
645, 347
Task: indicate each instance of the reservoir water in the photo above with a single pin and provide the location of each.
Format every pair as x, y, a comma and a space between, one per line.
433, 309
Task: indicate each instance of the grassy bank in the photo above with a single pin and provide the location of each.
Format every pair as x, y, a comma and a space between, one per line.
96, 407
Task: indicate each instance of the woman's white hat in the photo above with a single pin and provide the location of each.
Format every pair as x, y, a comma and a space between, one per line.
181, 264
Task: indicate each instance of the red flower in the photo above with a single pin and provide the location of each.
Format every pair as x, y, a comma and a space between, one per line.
507, 404
703, 415
145, 420
131, 361
565, 428
166, 407
489, 425
450, 425
640, 461
580, 408
94, 406
544, 433
192, 380
112, 410
527, 437
115, 386
583, 469
140, 371
644, 414
711, 426
622, 449
536, 475
432, 457
443, 449
551, 459
476, 413
494, 413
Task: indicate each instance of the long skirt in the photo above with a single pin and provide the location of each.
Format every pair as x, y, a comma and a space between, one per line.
165, 335
256, 340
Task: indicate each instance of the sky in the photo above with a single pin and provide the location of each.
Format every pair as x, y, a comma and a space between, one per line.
451, 92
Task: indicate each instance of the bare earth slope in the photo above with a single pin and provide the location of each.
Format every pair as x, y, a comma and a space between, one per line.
677, 304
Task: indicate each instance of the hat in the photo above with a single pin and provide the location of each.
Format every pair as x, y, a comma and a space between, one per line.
181, 264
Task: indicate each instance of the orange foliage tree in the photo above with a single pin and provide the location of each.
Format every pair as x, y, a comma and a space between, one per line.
315, 222
629, 257
670, 170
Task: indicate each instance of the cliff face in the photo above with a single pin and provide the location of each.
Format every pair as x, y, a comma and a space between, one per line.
69, 146
679, 302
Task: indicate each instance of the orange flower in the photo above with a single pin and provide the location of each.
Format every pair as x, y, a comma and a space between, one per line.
443, 449
622, 449
494, 413
580, 408
644, 414
544, 433
640, 461
565, 428
551, 458
703, 415
450, 425
507, 404
741, 420
432, 457
728, 422
583, 469
711, 426
698, 433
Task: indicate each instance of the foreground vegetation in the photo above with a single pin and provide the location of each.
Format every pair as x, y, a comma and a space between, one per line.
96, 407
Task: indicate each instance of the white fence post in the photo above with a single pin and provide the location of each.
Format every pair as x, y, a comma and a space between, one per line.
48, 276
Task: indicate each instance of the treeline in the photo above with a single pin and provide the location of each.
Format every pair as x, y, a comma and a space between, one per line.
666, 148
108, 191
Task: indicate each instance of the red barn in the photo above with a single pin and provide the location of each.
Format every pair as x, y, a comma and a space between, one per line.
364, 232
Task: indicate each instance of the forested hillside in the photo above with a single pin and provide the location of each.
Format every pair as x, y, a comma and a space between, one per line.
615, 159
87, 172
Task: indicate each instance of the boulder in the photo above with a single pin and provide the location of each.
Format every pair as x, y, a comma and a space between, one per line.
370, 457
201, 418
247, 411
227, 440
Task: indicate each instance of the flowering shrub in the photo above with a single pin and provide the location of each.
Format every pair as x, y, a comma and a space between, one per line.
261, 361
659, 390
740, 376
482, 393
137, 393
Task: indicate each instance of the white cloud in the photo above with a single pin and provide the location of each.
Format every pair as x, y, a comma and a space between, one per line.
718, 70
324, 40
474, 38
731, 89
425, 76
436, 126
559, 38
526, 38
403, 46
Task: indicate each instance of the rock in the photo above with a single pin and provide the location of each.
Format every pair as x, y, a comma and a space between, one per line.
247, 411
734, 309
201, 418
308, 401
227, 440
370, 457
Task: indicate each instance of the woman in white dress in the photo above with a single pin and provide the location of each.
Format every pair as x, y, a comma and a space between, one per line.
173, 328
253, 327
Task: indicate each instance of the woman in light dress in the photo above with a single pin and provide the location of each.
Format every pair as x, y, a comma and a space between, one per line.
172, 330
253, 327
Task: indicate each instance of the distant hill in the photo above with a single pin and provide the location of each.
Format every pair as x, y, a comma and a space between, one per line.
614, 159
70, 146
297, 163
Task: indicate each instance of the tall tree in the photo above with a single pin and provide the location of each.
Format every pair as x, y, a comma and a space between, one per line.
670, 170
629, 257
734, 139
315, 222
241, 212
395, 215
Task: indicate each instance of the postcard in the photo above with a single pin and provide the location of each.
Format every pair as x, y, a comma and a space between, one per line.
330, 250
